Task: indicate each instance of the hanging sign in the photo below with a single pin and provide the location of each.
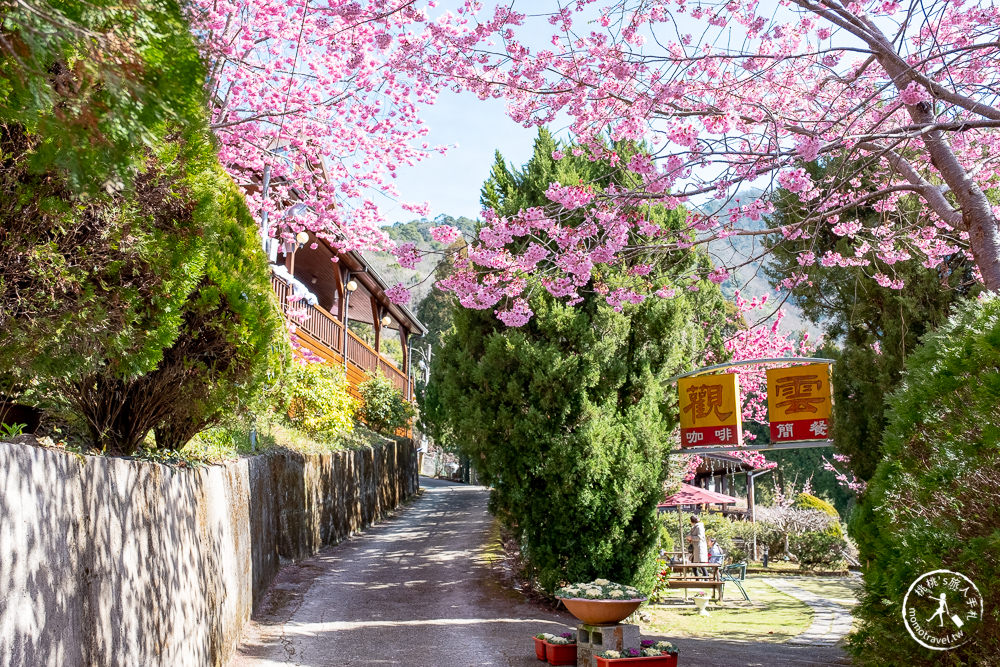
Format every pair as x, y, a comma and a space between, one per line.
799, 402
711, 410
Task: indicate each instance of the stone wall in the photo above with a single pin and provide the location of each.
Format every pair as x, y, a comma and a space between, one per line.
109, 561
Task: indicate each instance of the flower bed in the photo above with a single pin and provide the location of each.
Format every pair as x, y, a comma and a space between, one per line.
652, 654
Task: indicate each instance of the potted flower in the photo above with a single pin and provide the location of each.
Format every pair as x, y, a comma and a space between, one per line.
557, 649
561, 649
652, 654
700, 600
600, 602
540, 645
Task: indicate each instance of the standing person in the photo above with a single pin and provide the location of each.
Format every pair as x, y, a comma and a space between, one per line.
699, 545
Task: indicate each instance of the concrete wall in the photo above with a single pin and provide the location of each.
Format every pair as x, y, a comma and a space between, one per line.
115, 562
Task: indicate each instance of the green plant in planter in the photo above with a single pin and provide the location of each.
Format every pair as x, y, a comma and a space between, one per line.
600, 589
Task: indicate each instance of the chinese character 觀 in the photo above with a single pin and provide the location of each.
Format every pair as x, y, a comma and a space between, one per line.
705, 399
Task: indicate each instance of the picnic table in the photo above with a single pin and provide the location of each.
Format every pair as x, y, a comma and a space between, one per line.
697, 575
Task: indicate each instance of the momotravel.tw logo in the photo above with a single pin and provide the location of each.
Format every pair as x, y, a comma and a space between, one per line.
941, 608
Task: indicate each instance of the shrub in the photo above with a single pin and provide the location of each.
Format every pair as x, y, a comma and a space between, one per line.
232, 334
148, 308
132, 286
668, 534
778, 524
660, 590
815, 549
383, 407
317, 400
934, 501
745, 532
807, 501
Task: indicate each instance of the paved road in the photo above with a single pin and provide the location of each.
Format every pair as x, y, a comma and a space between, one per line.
412, 592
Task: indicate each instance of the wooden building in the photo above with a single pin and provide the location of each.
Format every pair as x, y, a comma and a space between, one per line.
320, 289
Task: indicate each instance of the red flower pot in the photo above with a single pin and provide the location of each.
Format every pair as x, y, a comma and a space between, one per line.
560, 654
665, 660
539, 648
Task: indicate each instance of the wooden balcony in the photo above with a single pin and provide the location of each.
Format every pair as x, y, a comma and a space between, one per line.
323, 334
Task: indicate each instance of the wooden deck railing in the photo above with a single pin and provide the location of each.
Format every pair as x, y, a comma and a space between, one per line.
328, 330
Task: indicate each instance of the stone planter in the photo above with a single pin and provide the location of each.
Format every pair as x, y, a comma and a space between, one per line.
601, 612
700, 603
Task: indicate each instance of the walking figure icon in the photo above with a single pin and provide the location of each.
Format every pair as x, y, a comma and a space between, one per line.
941, 610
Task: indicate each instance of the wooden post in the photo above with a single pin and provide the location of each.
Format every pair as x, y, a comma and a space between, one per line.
403, 339
377, 320
338, 280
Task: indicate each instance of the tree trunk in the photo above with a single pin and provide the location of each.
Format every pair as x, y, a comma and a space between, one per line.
977, 213
984, 241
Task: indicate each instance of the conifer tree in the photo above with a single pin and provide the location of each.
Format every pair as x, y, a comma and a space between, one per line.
568, 417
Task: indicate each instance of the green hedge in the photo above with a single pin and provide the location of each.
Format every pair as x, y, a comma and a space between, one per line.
934, 501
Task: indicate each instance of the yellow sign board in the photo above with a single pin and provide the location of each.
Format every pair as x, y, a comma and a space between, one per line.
799, 402
711, 410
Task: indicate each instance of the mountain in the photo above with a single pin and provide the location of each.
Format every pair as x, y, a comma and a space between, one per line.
420, 279
748, 256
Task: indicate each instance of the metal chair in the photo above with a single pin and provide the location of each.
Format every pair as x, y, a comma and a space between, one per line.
736, 573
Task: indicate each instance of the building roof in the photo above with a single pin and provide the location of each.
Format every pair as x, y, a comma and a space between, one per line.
370, 270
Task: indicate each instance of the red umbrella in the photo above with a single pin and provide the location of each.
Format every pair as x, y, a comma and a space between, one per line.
695, 495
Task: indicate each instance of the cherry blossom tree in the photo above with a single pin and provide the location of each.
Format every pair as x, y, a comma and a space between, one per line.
898, 100
316, 108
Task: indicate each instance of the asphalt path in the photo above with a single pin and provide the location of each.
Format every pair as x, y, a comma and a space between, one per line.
417, 590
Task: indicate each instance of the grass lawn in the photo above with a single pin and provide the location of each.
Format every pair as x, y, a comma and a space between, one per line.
771, 616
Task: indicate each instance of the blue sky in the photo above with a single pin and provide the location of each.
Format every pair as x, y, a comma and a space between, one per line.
450, 183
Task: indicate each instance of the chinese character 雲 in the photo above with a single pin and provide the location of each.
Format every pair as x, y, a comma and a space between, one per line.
797, 390
705, 399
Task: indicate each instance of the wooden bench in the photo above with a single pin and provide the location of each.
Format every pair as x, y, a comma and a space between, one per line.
689, 578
